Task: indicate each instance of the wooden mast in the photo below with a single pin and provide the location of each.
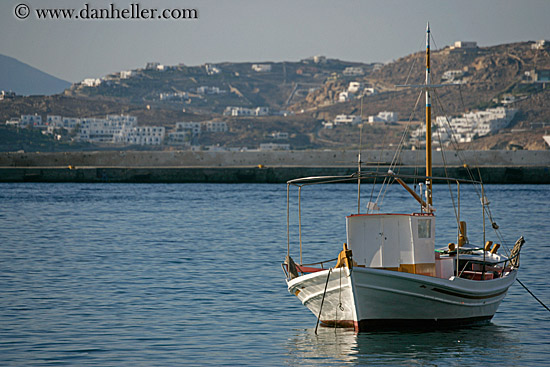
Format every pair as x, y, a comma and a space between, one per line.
428, 124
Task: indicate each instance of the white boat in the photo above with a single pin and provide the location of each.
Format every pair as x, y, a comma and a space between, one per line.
390, 272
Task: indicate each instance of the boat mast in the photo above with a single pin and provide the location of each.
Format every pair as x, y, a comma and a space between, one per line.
428, 124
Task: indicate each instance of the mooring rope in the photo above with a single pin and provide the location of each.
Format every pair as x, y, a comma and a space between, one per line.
322, 301
531, 293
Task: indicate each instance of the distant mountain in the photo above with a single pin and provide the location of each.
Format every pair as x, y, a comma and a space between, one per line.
25, 80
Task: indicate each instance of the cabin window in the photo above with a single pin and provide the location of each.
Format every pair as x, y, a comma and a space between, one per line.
424, 228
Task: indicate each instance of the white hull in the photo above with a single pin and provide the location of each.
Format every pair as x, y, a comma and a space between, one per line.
372, 298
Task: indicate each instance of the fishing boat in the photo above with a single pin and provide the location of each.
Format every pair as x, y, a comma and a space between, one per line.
391, 271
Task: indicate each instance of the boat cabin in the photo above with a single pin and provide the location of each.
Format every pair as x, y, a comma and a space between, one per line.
401, 242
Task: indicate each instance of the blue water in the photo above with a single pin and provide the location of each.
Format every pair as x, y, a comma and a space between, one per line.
184, 274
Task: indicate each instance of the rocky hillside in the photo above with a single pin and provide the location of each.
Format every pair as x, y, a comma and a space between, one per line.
487, 74
212, 87
310, 89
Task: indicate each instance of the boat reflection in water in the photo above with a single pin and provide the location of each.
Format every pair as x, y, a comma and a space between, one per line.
337, 346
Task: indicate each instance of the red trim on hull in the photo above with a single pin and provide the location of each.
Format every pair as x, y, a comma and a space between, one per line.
340, 323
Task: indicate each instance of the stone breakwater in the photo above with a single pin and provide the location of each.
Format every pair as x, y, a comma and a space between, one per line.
268, 167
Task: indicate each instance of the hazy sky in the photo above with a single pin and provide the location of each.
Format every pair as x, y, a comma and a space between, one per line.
258, 30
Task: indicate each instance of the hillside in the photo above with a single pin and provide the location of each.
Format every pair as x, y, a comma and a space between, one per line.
238, 84
488, 73
308, 91
23, 79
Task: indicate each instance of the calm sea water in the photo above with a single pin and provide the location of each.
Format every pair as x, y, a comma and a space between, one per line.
184, 274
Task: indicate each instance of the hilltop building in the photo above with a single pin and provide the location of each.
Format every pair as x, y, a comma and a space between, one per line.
346, 119
540, 45
384, 116
211, 69
353, 71
464, 45
91, 82
243, 111
261, 68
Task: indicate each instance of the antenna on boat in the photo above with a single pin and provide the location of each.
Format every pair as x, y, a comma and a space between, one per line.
428, 123
427, 86
359, 163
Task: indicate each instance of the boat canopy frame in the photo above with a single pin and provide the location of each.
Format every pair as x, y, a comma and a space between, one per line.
357, 177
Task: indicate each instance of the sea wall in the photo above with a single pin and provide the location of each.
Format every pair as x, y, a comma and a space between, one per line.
269, 167
303, 158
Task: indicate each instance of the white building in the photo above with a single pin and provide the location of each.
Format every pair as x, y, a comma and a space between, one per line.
97, 130
384, 116
152, 66
193, 127
243, 111
344, 96
319, 59
347, 119
126, 74
54, 120
70, 123
215, 126
261, 68
328, 124
204, 90
31, 120
104, 130
539, 45
122, 120
141, 135
15, 122
353, 71
91, 82
469, 125
212, 70
6, 95
452, 74
355, 87
369, 91
464, 45
261, 111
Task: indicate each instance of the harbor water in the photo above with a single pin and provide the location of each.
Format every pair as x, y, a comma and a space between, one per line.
190, 274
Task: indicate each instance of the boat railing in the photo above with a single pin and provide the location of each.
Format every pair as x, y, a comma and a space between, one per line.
358, 177
307, 268
318, 180
320, 263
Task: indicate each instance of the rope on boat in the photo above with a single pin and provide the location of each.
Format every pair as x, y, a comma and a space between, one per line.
322, 301
531, 293
395, 159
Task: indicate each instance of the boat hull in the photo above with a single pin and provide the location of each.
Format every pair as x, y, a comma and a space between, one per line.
338, 306
376, 298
